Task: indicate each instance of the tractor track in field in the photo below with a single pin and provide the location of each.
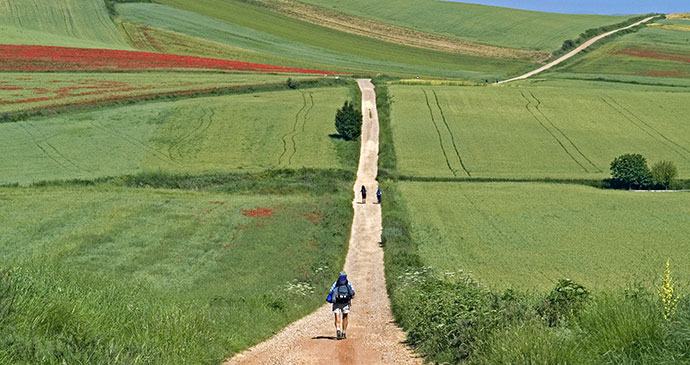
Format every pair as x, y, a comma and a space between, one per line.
133, 141
563, 134
287, 137
46, 140
303, 129
452, 136
620, 110
529, 102
438, 132
37, 144
193, 136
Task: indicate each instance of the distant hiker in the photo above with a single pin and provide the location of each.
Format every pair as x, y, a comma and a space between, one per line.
378, 195
341, 295
364, 195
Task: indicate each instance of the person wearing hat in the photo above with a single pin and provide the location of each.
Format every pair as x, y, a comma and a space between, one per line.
341, 295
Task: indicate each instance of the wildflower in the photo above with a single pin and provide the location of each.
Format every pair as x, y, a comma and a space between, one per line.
667, 292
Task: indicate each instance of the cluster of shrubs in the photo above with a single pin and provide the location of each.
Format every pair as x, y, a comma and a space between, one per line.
630, 171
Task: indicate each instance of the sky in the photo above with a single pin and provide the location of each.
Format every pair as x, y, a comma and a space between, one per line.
593, 6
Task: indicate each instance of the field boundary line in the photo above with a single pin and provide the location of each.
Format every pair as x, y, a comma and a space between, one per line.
529, 102
562, 133
611, 105
577, 50
452, 136
440, 138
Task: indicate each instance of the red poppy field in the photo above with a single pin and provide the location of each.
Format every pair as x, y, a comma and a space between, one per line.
49, 58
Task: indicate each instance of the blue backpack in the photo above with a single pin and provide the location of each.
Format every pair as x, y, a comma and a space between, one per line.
342, 293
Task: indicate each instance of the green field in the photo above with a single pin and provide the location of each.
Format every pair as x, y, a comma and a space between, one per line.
654, 55
109, 274
71, 23
250, 27
529, 235
31, 90
477, 23
567, 131
251, 132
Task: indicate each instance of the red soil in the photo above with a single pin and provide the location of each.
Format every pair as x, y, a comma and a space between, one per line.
258, 212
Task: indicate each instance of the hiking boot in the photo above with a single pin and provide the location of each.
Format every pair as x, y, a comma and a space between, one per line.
344, 336
338, 334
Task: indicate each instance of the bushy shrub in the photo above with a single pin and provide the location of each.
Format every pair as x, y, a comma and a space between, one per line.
348, 121
562, 302
664, 173
630, 171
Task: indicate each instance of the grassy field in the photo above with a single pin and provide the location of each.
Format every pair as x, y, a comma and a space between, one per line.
30, 90
656, 54
528, 236
477, 23
253, 28
71, 23
283, 129
109, 274
569, 131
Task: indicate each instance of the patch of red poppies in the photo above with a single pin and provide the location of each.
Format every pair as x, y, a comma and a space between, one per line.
50, 58
258, 212
655, 54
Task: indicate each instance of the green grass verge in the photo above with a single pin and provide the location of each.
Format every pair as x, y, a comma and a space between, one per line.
110, 274
563, 131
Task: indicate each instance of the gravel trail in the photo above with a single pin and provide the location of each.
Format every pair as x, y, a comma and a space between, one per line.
372, 336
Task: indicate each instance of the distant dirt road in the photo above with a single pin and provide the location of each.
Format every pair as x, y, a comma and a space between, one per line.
372, 336
575, 51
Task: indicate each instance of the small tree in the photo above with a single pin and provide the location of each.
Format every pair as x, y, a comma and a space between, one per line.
664, 173
631, 171
348, 121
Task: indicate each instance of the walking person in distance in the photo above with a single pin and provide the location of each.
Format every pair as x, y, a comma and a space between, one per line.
364, 195
341, 295
378, 196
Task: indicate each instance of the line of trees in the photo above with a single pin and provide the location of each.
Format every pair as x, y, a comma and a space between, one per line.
630, 171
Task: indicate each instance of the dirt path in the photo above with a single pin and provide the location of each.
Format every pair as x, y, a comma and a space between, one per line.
575, 51
372, 336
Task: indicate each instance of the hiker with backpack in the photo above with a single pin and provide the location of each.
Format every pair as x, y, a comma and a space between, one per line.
364, 194
378, 196
341, 295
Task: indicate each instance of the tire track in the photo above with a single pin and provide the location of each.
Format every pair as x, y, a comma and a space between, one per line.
133, 141
529, 102
287, 136
175, 146
36, 143
452, 137
619, 111
438, 132
303, 130
196, 134
563, 134
649, 125
52, 147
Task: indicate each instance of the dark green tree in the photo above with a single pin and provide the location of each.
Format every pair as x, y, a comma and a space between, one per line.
348, 121
664, 173
630, 171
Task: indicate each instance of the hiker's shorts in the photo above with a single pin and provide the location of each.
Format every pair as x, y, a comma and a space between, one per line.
341, 308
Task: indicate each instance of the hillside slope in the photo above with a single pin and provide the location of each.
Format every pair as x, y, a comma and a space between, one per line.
491, 25
75, 23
